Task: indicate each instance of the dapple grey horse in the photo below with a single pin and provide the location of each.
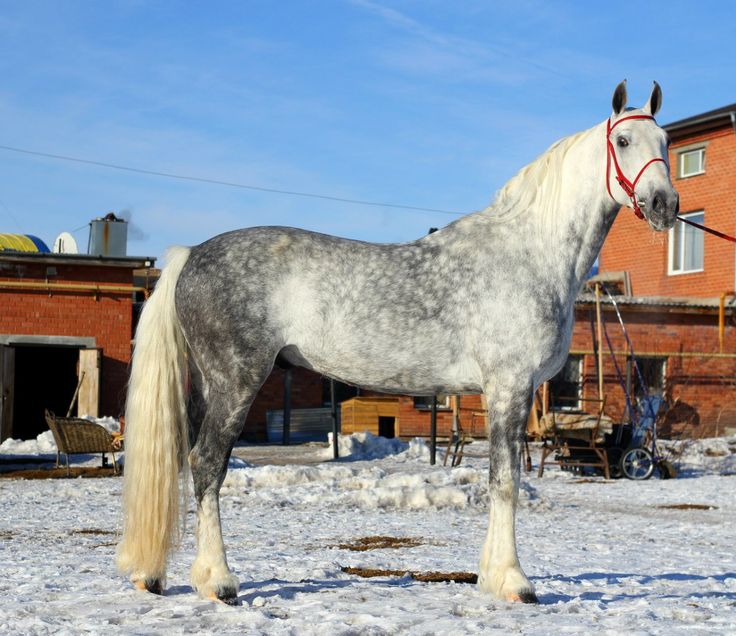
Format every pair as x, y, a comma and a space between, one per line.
483, 305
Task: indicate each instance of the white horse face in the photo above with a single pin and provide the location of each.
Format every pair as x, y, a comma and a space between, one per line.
640, 149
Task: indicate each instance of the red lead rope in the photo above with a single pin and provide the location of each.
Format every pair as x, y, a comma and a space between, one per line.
708, 229
629, 186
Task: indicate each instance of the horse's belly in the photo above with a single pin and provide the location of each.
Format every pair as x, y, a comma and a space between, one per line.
393, 369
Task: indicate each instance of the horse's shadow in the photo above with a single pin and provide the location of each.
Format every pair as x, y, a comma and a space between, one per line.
287, 590
612, 578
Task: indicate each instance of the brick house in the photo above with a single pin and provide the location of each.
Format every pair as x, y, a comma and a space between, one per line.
63, 317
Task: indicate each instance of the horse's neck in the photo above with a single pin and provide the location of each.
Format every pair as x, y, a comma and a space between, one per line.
586, 211
560, 244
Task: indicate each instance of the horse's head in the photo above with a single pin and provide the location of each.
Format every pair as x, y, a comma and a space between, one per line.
637, 173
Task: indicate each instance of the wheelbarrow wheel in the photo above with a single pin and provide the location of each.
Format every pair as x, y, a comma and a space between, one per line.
637, 463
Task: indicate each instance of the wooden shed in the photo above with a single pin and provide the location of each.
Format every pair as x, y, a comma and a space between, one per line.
377, 415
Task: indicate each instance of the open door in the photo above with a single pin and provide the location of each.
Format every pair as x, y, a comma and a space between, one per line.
7, 381
88, 402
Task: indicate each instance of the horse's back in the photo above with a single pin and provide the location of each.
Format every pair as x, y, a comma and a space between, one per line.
363, 312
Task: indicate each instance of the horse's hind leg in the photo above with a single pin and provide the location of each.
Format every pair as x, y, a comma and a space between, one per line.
500, 571
225, 414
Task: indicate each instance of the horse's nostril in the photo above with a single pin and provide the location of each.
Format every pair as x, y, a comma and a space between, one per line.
658, 203
677, 206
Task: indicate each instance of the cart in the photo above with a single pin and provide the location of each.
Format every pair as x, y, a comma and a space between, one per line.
586, 443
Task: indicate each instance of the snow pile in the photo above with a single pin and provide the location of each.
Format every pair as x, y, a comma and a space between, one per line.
714, 456
110, 423
366, 446
393, 483
44, 443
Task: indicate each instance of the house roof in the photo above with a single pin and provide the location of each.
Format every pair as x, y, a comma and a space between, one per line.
130, 262
669, 304
723, 116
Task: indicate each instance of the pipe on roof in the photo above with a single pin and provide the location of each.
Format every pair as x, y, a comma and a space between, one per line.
73, 287
722, 317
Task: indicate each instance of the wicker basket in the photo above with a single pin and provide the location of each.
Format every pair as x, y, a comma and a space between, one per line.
74, 436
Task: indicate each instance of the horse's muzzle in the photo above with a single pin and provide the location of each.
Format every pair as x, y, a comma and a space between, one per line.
662, 209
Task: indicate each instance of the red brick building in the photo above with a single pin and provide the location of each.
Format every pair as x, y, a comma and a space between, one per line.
63, 317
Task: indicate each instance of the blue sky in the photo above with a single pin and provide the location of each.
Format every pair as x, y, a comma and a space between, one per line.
423, 103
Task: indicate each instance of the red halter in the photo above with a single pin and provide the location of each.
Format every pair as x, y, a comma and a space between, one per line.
627, 186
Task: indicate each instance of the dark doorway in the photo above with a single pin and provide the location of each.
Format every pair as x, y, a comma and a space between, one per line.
45, 378
387, 426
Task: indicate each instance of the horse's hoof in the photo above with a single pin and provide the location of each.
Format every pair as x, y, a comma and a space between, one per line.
233, 601
153, 586
525, 596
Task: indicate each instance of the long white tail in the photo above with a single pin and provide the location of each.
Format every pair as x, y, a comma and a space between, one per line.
156, 435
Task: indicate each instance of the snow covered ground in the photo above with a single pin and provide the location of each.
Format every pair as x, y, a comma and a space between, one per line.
606, 557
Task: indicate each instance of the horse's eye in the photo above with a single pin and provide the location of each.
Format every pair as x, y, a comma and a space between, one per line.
622, 142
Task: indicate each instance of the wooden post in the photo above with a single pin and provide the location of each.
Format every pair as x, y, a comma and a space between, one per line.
545, 398
433, 432
333, 414
76, 393
599, 361
455, 402
7, 390
287, 407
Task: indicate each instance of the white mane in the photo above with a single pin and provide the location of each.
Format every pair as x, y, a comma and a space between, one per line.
536, 188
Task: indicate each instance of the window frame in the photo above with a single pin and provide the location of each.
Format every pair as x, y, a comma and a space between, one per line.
681, 161
442, 405
570, 404
671, 271
643, 362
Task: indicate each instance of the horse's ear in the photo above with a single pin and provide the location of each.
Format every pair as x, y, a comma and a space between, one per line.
655, 100
619, 98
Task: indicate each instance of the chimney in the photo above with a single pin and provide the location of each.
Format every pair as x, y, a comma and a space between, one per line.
108, 236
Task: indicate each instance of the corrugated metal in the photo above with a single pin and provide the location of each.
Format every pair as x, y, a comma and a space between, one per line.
653, 301
305, 425
22, 243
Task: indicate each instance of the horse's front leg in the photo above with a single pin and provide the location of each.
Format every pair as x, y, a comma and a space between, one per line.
500, 572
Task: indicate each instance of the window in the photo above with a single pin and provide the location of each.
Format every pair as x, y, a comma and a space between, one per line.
691, 162
686, 246
425, 401
653, 373
565, 387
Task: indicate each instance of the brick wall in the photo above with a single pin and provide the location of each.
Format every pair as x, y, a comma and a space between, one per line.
703, 387
107, 318
415, 422
633, 246
306, 392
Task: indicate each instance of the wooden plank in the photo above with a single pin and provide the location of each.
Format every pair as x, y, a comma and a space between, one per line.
7, 382
89, 390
